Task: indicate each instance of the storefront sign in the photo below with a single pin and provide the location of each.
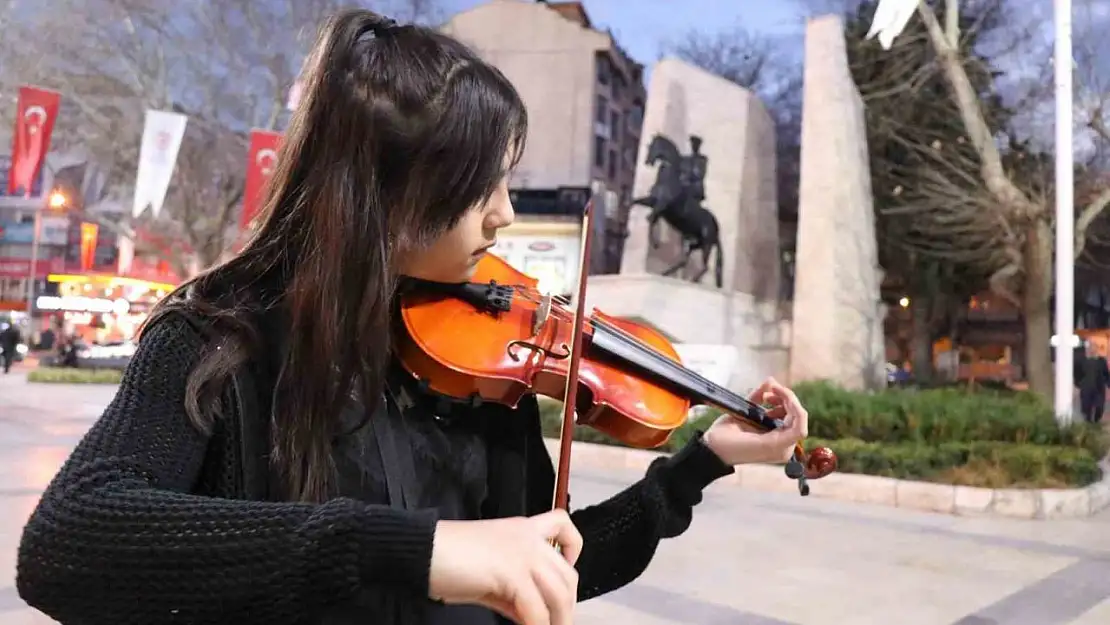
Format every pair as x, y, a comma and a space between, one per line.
77, 303
55, 231
551, 259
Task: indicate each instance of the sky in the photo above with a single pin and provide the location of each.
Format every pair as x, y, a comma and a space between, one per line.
643, 27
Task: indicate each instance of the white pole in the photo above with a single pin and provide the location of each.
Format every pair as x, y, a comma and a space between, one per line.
1065, 215
32, 273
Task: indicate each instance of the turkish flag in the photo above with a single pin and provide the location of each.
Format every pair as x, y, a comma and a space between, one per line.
261, 159
89, 232
38, 108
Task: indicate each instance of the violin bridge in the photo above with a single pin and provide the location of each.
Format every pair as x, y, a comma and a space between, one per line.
543, 311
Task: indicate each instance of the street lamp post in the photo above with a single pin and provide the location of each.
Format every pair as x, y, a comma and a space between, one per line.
56, 201
1065, 216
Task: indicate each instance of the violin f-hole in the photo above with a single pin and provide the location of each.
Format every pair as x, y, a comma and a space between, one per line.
563, 354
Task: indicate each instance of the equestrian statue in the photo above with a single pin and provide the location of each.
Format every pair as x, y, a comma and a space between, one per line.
676, 198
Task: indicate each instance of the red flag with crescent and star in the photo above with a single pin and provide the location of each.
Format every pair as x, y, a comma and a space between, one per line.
34, 123
262, 157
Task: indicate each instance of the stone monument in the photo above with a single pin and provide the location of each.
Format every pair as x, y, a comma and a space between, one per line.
734, 333
837, 330
707, 168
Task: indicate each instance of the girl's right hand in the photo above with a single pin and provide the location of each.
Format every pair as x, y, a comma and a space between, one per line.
509, 566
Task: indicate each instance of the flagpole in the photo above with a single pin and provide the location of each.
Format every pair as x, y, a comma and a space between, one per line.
1065, 216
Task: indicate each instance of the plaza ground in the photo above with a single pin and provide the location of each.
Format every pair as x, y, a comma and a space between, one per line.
749, 558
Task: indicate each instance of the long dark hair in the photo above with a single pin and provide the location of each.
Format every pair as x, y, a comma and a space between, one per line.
401, 130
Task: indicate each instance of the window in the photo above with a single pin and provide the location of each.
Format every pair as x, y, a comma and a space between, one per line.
603, 70
612, 164
615, 126
636, 116
601, 114
599, 151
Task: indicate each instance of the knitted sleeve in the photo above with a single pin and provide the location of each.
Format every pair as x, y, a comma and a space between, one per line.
621, 534
117, 538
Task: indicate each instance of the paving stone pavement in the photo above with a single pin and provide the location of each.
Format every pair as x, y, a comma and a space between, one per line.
749, 558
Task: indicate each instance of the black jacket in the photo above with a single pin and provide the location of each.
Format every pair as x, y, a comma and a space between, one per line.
151, 521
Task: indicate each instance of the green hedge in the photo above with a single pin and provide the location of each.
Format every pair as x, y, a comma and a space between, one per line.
989, 464
983, 438
933, 417
65, 375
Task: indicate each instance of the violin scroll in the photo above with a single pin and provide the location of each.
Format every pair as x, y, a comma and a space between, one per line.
814, 465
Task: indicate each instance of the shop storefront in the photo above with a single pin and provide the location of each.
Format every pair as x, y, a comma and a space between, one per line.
549, 251
98, 309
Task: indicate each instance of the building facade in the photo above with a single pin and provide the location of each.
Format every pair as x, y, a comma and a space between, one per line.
585, 100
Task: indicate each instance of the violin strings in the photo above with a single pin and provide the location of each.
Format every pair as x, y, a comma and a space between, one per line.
651, 351
625, 336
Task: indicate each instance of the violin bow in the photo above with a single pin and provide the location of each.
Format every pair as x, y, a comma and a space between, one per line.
570, 397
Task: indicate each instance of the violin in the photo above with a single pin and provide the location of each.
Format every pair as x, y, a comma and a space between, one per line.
497, 337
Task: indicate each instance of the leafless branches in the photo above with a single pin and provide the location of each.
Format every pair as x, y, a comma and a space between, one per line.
227, 64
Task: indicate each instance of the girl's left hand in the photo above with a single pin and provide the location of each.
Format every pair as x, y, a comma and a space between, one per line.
737, 442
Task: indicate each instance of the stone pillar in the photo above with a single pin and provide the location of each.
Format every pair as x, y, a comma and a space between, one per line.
837, 330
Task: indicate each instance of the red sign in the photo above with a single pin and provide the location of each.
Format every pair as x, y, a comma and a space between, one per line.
261, 159
21, 267
34, 123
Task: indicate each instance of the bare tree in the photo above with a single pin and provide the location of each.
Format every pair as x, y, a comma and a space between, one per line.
1026, 215
734, 54
226, 64
991, 204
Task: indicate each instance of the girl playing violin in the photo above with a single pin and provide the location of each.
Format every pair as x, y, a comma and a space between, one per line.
263, 462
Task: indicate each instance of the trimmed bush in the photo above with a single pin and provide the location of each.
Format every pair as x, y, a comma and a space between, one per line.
995, 439
65, 375
988, 464
933, 417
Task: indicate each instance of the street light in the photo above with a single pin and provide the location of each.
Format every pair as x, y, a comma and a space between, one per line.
56, 201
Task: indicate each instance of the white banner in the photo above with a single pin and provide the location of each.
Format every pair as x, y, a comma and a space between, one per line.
126, 249
162, 137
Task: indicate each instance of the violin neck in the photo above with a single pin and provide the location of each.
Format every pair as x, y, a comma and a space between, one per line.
628, 353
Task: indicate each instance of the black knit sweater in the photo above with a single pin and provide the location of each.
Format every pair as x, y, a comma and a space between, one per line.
145, 523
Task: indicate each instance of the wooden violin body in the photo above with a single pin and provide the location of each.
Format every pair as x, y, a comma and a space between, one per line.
507, 339
497, 338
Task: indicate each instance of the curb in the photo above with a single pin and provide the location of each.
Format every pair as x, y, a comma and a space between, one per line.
1015, 503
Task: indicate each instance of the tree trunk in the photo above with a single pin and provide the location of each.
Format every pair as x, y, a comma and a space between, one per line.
1038, 328
922, 342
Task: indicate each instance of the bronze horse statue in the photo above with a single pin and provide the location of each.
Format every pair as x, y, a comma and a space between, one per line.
672, 200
